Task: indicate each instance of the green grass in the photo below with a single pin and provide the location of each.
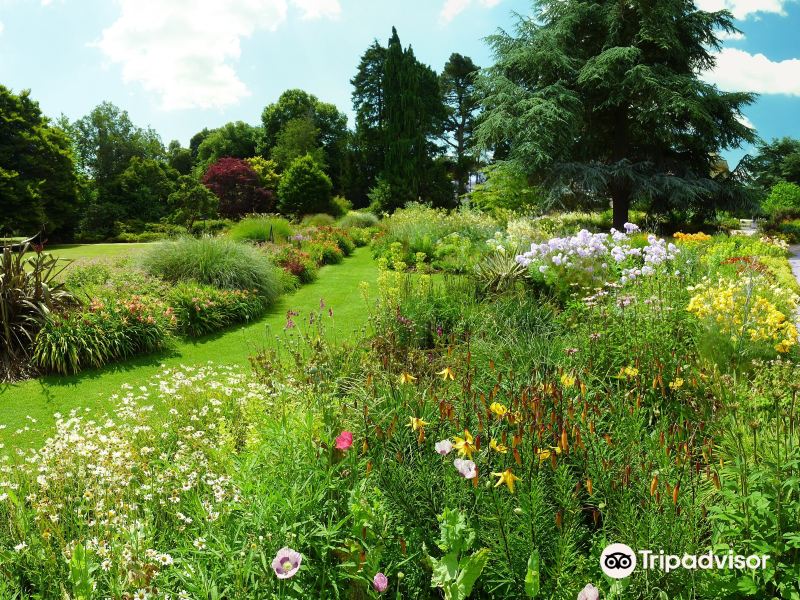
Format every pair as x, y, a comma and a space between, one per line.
39, 399
79, 252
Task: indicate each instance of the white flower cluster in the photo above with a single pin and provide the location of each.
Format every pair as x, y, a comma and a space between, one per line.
599, 255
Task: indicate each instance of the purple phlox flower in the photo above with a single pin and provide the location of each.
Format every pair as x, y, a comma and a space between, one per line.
321, 303
289, 324
466, 468
286, 563
443, 447
380, 582
589, 593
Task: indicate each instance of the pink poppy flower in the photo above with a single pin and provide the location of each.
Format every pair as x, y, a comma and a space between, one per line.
344, 441
466, 468
286, 563
380, 582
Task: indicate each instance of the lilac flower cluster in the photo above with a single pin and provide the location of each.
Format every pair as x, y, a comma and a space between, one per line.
600, 257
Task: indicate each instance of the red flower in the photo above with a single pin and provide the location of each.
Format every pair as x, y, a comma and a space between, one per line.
344, 441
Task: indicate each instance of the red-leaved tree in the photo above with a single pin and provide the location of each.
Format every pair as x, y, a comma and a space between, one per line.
238, 188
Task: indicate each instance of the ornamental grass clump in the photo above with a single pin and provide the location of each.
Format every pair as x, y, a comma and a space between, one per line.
261, 228
218, 262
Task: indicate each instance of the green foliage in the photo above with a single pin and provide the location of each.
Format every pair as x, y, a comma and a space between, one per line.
318, 220
775, 162
506, 188
261, 229
101, 334
783, 201
232, 140
456, 572
219, 262
267, 171
38, 186
298, 263
191, 202
202, 309
304, 188
329, 123
297, 138
29, 292
144, 187
358, 219
340, 206
457, 85
499, 272
595, 120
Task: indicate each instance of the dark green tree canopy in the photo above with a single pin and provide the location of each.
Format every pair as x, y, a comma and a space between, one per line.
38, 185
106, 140
457, 84
143, 189
776, 161
233, 140
192, 201
179, 158
399, 114
297, 138
603, 99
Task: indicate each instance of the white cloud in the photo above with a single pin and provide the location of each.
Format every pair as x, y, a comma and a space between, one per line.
316, 9
744, 120
742, 9
453, 8
737, 70
183, 50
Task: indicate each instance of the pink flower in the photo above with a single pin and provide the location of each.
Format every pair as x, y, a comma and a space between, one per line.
286, 563
444, 447
380, 582
344, 441
466, 468
589, 593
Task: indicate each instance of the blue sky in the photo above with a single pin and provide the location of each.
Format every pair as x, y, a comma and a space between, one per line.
181, 65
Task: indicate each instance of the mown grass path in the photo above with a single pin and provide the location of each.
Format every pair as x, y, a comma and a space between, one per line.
40, 398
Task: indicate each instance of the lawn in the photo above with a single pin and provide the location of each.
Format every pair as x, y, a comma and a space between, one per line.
83, 252
29, 406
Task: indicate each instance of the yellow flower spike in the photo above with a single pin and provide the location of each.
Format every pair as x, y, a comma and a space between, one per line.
493, 445
466, 445
506, 477
567, 380
498, 409
416, 423
447, 373
407, 378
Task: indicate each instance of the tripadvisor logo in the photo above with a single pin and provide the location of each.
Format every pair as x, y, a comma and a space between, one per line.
618, 561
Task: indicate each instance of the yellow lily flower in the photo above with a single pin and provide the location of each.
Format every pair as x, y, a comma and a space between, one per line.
506, 477
447, 373
567, 380
407, 378
416, 423
498, 447
629, 372
466, 445
546, 453
498, 409
676, 385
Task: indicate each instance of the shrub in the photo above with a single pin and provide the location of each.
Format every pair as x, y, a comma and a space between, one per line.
337, 236
238, 188
358, 219
210, 226
319, 220
28, 293
261, 229
783, 201
201, 309
220, 262
304, 188
340, 206
101, 334
300, 264
325, 252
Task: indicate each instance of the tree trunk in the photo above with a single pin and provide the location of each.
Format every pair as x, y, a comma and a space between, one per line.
620, 204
